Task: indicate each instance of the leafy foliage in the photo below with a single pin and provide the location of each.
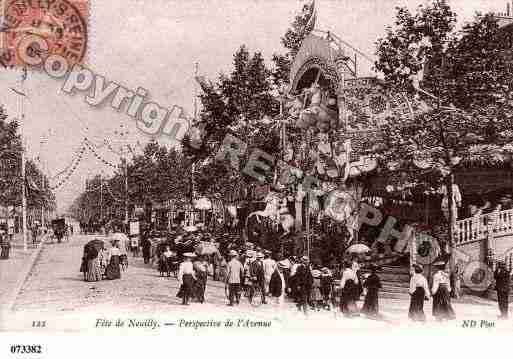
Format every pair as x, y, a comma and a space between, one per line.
240, 104
38, 191
473, 86
292, 40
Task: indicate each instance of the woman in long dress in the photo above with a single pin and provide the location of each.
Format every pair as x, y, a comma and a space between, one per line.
373, 285
442, 308
113, 270
349, 285
94, 272
316, 295
201, 271
355, 266
419, 292
186, 278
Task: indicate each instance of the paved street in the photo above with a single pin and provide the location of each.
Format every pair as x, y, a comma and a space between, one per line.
57, 285
56, 292
12, 267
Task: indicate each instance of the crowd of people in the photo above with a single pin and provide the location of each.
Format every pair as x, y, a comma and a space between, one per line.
264, 277
312, 287
100, 263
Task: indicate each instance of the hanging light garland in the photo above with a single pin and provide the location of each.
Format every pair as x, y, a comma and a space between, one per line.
71, 171
109, 190
100, 158
77, 156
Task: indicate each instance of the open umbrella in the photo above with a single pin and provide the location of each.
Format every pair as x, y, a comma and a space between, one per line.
95, 243
93, 247
358, 248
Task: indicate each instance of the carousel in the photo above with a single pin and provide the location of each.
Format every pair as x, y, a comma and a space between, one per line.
328, 121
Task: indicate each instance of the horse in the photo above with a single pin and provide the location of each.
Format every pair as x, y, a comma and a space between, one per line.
343, 207
277, 212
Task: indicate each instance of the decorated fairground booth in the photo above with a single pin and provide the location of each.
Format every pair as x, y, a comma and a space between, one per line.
330, 129
330, 125
329, 120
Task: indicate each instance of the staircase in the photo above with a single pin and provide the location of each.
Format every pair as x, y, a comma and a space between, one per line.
395, 282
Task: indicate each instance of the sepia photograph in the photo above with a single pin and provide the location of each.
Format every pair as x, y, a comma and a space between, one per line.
255, 166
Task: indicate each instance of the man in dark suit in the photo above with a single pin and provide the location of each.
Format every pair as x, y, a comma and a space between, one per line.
303, 281
257, 277
502, 285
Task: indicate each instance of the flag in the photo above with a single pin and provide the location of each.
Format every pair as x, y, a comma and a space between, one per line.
202, 81
310, 25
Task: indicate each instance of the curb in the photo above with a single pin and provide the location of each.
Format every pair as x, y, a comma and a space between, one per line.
24, 275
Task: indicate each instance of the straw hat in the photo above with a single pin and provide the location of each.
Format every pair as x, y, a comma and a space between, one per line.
260, 255
233, 253
283, 264
326, 271
439, 264
316, 273
189, 255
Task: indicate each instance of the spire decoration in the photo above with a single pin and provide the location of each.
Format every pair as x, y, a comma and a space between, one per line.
310, 26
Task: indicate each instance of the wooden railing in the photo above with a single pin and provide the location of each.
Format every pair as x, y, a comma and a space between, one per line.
479, 227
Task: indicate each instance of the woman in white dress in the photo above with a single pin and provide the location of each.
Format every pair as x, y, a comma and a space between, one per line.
442, 309
419, 292
349, 286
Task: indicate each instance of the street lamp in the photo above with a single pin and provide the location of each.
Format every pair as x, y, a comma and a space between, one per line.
21, 97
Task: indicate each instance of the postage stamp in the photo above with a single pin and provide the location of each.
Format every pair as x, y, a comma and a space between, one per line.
295, 169
61, 23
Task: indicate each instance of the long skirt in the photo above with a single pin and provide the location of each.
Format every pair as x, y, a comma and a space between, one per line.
316, 295
146, 251
187, 288
416, 311
113, 271
163, 265
200, 285
442, 308
371, 305
347, 300
94, 272
83, 267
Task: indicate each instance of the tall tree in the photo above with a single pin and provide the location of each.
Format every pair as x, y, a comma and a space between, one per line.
470, 108
291, 41
240, 104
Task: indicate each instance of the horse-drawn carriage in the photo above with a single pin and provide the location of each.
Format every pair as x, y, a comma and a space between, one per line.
59, 228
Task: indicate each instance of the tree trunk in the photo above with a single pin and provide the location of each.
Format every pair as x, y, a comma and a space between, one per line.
450, 204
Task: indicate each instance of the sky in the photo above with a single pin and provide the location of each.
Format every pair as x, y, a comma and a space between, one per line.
155, 44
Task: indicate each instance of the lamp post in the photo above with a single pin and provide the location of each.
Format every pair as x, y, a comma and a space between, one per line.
21, 112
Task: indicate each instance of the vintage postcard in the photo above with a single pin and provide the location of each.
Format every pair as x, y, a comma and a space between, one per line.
176, 167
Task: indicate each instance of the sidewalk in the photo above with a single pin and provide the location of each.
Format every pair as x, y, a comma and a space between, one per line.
13, 268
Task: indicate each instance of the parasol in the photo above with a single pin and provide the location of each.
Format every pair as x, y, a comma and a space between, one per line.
206, 248
96, 244
190, 229
358, 248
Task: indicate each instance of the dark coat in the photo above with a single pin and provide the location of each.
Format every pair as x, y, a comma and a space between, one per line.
257, 272
303, 279
275, 285
502, 280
